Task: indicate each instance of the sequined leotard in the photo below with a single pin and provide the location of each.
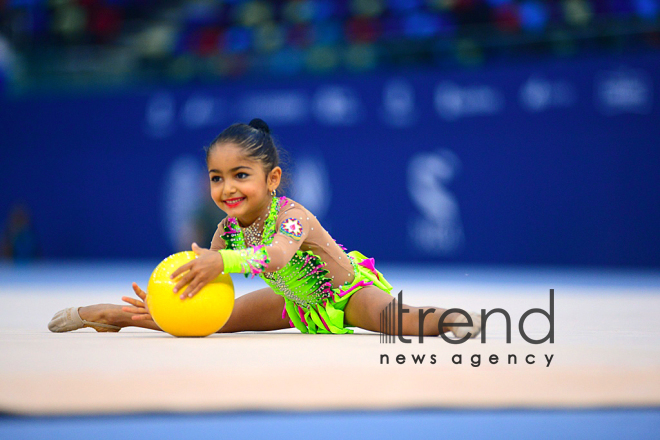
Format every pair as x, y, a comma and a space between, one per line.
290, 250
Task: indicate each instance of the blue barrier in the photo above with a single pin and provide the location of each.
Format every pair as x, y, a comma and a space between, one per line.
552, 162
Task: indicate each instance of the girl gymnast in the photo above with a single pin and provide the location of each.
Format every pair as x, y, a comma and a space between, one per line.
314, 285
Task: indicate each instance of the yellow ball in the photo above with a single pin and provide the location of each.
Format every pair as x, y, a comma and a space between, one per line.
203, 314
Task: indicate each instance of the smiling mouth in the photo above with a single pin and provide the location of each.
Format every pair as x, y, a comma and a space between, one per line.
232, 203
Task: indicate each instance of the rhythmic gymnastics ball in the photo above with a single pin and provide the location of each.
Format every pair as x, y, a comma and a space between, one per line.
203, 314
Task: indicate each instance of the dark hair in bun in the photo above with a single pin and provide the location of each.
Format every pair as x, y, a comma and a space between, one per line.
255, 140
259, 124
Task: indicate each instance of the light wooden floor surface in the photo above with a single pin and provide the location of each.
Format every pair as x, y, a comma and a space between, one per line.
606, 351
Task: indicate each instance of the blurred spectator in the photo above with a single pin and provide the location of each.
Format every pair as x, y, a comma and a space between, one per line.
19, 241
185, 39
7, 64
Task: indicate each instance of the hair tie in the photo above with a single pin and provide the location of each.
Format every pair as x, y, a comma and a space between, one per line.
259, 124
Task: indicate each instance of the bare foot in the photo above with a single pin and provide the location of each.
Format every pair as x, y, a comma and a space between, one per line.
461, 332
106, 314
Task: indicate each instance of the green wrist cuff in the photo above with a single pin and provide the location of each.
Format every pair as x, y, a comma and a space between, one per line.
231, 260
248, 261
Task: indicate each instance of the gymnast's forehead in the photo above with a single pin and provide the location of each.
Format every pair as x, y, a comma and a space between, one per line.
228, 156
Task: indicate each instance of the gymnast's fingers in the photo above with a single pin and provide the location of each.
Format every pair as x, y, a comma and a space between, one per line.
134, 302
186, 279
143, 317
139, 292
134, 310
182, 269
193, 289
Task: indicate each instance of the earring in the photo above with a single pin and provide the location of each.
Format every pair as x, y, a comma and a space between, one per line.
273, 193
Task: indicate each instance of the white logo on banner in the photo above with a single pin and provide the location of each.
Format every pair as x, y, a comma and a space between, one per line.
538, 94
201, 110
438, 230
337, 105
275, 107
453, 101
186, 184
311, 185
624, 91
160, 114
398, 103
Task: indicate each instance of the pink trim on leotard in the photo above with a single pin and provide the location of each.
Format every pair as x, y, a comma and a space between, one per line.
302, 315
370, 264
323, 320
360, 284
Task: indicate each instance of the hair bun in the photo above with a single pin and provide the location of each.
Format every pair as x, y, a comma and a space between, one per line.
259, 124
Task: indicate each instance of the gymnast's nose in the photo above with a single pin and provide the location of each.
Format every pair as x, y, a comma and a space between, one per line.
228, 190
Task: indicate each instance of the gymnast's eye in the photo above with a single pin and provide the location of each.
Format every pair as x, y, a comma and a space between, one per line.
242, 175
215, 178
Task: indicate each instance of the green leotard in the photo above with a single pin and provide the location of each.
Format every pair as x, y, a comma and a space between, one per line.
312, 304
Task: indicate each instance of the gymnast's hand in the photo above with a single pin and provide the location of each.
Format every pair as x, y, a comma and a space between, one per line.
139, 309
201, 270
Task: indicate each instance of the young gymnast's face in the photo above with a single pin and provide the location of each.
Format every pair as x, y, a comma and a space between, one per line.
238, 184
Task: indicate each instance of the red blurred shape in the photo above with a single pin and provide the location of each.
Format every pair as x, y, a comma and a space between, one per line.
208, 41
507, 18
363, 30
105, 23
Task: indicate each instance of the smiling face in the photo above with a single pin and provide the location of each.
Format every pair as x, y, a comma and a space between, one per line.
239, 185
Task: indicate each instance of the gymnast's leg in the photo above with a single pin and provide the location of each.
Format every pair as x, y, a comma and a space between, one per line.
260, 310
365, 306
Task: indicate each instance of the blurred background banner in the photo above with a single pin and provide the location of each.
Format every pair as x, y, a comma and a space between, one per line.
488, 132
547, 163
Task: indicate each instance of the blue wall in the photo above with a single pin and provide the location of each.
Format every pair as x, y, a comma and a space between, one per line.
546, 163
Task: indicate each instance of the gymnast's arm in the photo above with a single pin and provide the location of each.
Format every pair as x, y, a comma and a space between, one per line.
217, 242
292, 228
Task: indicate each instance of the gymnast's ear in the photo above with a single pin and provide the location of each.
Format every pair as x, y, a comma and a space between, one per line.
273, 179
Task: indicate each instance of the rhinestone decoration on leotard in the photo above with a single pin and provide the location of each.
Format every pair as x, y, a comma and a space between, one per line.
254, 260
252, 235
292, 227
254, 232
302, 280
